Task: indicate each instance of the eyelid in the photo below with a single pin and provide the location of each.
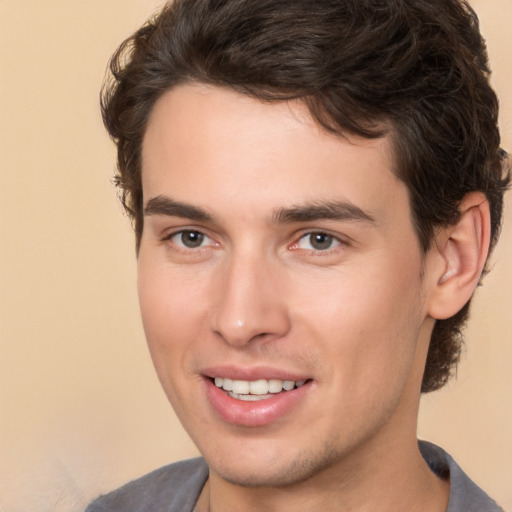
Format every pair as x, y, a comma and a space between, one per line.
335, 242
179, 231
341, 241
169, 232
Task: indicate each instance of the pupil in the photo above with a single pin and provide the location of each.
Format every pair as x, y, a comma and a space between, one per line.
192, 239
320, 241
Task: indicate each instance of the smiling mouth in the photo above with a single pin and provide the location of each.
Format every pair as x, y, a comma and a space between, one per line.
254, 390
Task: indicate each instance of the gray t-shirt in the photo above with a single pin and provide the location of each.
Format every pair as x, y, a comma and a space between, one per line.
176, 488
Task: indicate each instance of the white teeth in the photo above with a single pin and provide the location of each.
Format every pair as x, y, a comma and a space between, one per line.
249, 398
275, 386
256, 389
241, 387
288, 385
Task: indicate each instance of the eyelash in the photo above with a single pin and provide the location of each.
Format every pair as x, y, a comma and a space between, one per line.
181, 246
338, 242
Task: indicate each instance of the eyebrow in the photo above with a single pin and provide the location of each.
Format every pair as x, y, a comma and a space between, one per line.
162, 205
332, 210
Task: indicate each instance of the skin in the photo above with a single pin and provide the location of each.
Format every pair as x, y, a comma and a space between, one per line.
354, 317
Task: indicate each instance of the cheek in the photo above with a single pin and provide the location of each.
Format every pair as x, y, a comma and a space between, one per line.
172, 323
171, 316
367, 324
168, 298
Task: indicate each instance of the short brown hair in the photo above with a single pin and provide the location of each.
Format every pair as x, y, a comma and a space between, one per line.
418, 67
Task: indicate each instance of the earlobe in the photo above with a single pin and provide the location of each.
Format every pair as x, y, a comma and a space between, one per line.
461, 252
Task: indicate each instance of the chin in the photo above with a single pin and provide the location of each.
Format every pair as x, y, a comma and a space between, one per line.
281, 471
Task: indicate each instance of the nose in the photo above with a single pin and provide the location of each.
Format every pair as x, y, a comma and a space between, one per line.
251, 303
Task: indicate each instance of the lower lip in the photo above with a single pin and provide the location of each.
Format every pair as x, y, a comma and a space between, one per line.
258, 413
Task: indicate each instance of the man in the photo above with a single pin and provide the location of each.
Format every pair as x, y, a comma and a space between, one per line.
315, 187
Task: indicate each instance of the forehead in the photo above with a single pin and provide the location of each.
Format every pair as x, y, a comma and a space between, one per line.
218, 148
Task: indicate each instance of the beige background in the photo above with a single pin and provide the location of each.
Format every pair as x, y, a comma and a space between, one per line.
80, 408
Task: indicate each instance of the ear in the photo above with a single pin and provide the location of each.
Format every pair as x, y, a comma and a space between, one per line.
460, 251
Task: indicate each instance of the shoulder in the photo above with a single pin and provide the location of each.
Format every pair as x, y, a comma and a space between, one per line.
465, 495
175, 487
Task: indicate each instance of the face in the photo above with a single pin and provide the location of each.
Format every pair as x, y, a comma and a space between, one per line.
280, 283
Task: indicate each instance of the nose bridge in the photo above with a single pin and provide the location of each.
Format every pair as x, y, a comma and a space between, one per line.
249, 302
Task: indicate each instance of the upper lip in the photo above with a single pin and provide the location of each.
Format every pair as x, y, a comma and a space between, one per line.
252, 373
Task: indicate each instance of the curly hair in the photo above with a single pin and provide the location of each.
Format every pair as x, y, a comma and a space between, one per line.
417, 67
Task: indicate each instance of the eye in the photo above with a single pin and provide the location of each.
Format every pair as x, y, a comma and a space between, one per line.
190, 239
317, 241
